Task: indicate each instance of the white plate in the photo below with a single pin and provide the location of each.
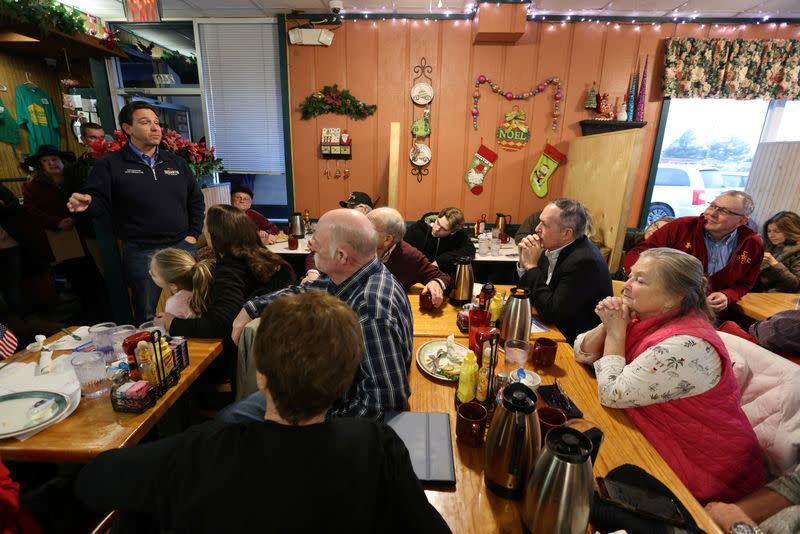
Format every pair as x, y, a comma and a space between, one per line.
427, 360
420, 154
15, 407
422, 93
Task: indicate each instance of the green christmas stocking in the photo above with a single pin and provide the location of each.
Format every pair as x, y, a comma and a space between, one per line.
550, 159
483, 161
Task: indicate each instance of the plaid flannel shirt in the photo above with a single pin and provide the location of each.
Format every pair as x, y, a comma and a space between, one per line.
387, 325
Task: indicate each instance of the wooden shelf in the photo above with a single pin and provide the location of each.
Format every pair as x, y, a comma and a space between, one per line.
28, 40
594, 126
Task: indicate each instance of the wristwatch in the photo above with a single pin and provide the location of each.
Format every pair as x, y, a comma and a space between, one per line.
740, 527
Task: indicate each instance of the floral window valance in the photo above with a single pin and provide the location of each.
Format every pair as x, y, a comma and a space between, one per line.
742, 69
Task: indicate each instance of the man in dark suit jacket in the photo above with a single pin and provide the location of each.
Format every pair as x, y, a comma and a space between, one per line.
565, 272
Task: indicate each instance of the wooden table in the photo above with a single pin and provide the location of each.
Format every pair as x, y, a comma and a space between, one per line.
760, 306
442, 322
95, 427
471, 507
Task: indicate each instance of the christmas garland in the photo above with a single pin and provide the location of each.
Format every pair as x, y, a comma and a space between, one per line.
332, 100
508, 95
44, 13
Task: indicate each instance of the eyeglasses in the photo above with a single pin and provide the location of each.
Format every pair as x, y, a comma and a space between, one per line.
724, 211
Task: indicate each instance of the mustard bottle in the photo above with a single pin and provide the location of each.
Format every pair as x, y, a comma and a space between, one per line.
496, 307
467, 380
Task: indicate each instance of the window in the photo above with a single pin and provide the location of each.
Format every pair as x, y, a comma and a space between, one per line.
707, 148
789, 128
242, 91
667, 176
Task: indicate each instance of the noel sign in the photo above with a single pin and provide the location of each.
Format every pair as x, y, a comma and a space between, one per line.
513, 133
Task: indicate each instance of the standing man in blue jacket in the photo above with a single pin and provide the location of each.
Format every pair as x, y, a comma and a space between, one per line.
152, 197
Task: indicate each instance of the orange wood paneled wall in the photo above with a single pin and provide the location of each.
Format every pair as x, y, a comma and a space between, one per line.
374, 60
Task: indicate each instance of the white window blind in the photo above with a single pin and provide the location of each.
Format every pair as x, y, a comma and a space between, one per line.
242, 91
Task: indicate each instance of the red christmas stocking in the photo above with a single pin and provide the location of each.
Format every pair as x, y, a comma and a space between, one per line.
483, 161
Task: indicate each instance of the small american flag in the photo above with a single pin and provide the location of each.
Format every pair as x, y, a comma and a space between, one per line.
8, 342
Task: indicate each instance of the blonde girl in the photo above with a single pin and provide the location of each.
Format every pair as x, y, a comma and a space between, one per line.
189, 281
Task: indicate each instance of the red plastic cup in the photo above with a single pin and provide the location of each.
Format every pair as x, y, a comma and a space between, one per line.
293, 243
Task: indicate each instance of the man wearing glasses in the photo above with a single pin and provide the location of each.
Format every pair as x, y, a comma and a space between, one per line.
731, 252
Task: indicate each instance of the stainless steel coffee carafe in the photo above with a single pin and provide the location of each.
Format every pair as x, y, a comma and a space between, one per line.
296, 225
513, 442
559, 491
463, 282
517, 316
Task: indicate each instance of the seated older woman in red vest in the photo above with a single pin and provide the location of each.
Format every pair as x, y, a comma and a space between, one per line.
657, 356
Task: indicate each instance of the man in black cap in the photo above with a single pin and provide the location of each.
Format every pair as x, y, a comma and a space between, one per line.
358, 200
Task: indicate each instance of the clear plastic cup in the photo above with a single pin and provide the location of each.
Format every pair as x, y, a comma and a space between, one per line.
516, 354
483, 245
102, 336
91, 371
495, 247
117, 337
151, 327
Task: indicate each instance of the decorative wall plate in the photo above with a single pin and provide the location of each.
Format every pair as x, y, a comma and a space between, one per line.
420, 154
422, 93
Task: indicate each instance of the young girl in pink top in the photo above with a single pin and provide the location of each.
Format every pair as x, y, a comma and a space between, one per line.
189, 281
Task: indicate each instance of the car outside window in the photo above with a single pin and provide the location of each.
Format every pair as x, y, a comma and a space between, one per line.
668, 176
712, 178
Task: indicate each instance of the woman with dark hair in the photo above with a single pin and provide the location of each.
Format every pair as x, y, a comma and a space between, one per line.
780, 270
244, 268
657, 356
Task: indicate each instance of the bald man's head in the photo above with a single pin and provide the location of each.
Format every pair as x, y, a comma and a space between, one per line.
388, 221
349, 230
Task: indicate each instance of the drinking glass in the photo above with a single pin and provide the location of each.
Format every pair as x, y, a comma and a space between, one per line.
516, 354
495, 247
91, 371
101, 336
495, 233
118, 336
483, 245
150, 327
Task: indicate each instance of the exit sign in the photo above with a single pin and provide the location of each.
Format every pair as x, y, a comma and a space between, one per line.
142, 10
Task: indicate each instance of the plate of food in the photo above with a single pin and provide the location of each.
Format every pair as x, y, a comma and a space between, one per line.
27, 411
281, 238
442, 358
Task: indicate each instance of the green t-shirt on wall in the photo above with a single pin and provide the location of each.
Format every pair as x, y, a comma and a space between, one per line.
36, 108
9, 131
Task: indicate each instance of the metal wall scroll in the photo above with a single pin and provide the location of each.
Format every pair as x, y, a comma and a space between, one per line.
421, 94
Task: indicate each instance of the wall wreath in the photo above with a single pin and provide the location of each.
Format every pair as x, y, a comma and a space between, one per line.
332, 100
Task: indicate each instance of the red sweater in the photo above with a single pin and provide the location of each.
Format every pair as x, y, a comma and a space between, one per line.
686, 234
410, 266
706, 439
262, 223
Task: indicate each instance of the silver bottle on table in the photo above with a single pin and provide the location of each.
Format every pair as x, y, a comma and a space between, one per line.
559, 491
517, 316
